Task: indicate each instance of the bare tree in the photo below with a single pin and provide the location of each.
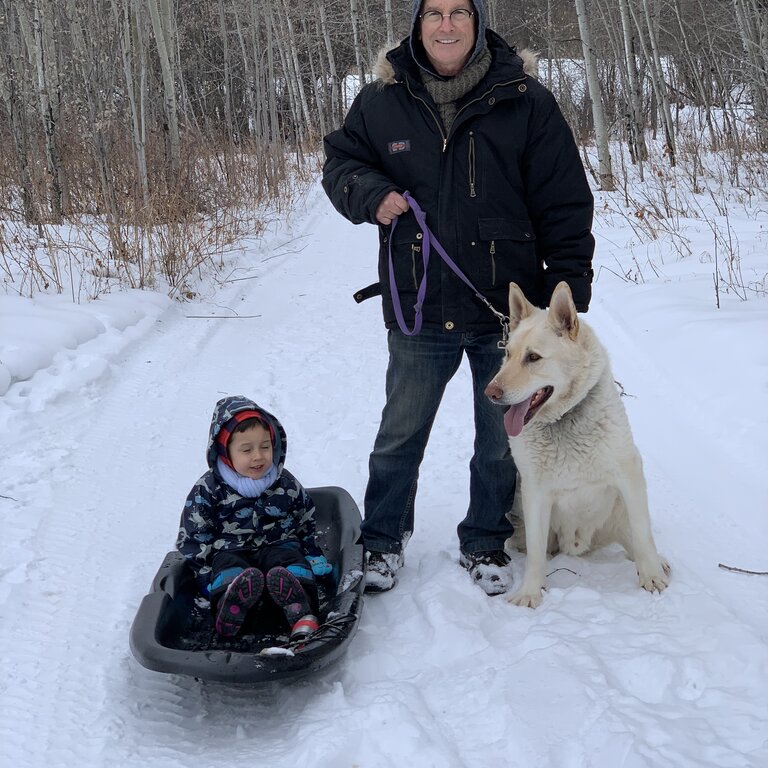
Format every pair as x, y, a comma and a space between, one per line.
604, 170
163, 23
38, 37
752, 19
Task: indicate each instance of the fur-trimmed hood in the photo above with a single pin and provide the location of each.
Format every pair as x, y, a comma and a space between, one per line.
385, 72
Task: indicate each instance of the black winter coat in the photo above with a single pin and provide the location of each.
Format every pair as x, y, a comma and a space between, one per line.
504, 192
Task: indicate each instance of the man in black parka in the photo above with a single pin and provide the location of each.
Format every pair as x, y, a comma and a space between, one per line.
456, 119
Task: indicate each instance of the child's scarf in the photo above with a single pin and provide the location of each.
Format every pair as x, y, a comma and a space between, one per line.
246, 486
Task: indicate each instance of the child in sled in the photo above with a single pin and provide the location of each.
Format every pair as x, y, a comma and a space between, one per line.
248, 526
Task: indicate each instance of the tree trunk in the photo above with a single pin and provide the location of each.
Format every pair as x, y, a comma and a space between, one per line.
604, 168
657, 76
388, 16
337, 111
10, 83
354, 17
34, 35
159, 12
226, 85
752, 18
638, 147
130, 51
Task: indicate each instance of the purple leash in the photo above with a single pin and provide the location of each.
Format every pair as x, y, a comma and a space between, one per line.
429, 241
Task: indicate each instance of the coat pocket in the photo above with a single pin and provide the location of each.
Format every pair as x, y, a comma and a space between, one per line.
510, 251
407, 259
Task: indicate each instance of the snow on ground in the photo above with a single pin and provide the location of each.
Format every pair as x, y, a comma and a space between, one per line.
102, 433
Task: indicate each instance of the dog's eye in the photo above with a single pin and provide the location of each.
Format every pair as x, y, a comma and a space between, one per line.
532, 357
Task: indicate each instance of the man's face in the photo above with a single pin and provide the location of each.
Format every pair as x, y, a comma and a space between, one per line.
450, 42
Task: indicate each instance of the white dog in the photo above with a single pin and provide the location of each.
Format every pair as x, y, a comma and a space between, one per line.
582, 482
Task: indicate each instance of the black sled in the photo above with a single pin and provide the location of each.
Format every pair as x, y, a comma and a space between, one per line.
173, 630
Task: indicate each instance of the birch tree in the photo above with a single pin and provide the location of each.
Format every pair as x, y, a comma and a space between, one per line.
34, 28
162, 27
128, 22
638, 147
11, 83
752, 19
604, 168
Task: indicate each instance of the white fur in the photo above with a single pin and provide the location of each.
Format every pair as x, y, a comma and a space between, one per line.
582, 483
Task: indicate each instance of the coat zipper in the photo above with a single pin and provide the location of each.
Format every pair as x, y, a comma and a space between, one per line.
437, 120
493, 262
472, 191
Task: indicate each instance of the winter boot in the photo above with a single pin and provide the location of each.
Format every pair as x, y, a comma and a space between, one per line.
488, 570
286, 590
381, 570
243, 593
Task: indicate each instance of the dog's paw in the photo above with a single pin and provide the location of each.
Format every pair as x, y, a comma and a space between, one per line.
653, 572
655, 581
526, 598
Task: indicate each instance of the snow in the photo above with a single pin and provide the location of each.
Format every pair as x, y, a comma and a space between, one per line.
104, 414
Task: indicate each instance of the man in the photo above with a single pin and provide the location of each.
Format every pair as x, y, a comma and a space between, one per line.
483, 149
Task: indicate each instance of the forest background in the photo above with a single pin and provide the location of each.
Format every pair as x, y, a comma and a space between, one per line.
139, 139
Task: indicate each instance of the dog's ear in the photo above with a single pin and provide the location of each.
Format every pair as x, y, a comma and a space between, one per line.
562, 312
519, 306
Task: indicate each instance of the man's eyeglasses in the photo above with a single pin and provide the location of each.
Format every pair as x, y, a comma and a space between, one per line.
458, 17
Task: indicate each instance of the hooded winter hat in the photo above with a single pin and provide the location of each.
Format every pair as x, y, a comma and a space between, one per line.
417, 49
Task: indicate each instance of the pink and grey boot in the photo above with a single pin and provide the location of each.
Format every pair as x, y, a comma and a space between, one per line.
286, 590
243, 593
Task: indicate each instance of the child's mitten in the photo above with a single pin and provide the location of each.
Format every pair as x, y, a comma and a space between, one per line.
319, 565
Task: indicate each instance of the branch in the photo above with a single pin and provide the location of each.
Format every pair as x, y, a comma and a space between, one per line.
741, 570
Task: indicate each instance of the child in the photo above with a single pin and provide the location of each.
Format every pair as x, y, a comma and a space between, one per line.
249, 524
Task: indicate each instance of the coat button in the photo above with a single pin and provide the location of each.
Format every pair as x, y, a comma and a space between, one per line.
419, 235
492, 100
527, 234
449, 325
346, 188
522, 88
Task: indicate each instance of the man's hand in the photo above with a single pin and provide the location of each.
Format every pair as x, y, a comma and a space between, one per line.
391, 207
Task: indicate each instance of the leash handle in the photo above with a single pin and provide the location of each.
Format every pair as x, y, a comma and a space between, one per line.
422, 290
428, 241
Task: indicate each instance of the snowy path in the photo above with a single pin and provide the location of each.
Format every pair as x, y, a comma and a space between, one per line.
97, 462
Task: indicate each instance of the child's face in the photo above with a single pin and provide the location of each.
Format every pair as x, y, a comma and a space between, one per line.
250, 452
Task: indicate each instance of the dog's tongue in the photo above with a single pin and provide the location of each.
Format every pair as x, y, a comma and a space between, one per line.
514, 418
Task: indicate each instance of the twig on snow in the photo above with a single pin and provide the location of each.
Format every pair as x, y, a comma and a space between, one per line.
221, 317
741, 570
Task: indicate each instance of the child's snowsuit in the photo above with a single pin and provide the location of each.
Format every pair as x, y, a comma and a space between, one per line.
222, 532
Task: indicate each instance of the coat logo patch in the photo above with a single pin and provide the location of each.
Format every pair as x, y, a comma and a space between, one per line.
404, 145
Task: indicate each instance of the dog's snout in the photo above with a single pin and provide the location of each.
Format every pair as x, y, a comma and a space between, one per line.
494, 391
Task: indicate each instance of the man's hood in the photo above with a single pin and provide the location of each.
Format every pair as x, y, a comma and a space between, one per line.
226, 409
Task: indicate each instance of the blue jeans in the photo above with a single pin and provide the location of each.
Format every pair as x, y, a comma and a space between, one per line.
419, 370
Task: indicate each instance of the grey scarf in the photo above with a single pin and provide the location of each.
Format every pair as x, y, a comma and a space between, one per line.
445, 93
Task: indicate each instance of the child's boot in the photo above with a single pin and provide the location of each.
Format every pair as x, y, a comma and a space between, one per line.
286, 590
243, 593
